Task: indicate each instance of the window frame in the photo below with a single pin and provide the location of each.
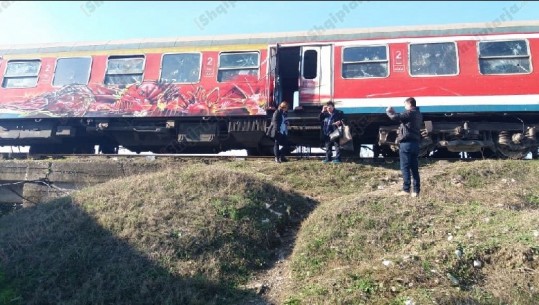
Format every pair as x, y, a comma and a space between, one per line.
89, 70
125, 56
21, 60
457, 59
360, 62
529, 56
316, 64
243, 68
178, 53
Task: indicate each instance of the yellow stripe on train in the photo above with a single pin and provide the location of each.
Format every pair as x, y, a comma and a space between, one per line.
120, 51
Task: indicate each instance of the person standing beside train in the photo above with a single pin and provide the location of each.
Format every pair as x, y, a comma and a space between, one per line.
409, 140
278, 130
331, 119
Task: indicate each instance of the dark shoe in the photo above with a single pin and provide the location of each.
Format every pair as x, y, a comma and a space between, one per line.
278, 160
336, 161
283, 159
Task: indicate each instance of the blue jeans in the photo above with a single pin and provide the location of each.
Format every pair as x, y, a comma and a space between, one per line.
280, 139
409, 161
329, 149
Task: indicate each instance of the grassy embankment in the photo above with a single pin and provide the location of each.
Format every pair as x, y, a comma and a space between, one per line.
198, 234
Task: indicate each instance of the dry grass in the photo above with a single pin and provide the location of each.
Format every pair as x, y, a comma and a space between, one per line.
188, 236
199, 233
372, 248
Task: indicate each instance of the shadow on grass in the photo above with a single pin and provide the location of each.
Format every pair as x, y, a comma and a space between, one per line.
56, 253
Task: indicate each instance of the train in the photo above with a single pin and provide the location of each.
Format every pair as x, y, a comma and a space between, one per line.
474, 83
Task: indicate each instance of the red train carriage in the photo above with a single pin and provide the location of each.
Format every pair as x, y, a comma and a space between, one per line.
168, 96
476, 86
476, 92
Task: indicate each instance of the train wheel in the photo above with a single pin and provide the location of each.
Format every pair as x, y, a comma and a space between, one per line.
385, 151
506, 152
42, 149
108, 149
261, 150
108, 146
351, 148
485, 153
253, 151
424, 151
376, 150
535, 153
84, 149
443, 153
62, 148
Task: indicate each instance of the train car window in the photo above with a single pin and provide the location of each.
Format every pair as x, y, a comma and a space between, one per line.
365, 62
235, 66
72, 71
310, 64
124, 70
504, 57
181, 68
21, 74
428, 59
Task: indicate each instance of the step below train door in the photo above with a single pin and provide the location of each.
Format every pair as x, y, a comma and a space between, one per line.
316, 79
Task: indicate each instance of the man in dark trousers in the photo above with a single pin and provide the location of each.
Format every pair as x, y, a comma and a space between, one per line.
278, 130
331, 118
409, 139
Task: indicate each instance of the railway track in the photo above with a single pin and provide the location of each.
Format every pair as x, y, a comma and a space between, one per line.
151, 157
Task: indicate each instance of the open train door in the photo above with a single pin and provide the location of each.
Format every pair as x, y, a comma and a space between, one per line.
316, 79
272, 83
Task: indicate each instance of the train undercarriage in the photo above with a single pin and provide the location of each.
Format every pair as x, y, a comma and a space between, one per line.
157, 135
472, 139
442, 137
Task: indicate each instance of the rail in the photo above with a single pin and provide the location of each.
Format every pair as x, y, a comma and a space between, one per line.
150, 157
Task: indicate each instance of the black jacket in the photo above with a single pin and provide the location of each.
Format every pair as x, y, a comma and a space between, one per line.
337, 116
410, 127
276, 122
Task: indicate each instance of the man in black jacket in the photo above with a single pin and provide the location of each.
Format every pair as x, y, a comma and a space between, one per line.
409, 139
278, 130
331, 119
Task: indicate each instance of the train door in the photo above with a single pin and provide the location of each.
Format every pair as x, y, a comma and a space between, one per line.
285, 73
272, 84
302, 74
315, 82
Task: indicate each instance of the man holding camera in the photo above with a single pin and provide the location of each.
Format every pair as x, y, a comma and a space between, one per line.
409, 140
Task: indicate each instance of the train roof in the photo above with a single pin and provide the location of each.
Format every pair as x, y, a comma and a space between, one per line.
313, 35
